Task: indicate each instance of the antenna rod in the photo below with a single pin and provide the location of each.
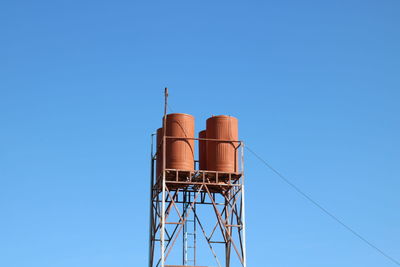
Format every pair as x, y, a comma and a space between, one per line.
166, 101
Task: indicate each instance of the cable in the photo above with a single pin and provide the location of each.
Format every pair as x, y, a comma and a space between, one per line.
315, 203
170, 108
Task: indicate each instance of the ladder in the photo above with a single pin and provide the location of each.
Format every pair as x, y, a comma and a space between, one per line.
189, 231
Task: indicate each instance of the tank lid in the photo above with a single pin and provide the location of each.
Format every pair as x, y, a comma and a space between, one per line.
221, 116
184, 114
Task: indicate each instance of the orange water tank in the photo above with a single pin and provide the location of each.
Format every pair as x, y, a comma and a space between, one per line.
159, 161
222, 156
203, 151
180, 152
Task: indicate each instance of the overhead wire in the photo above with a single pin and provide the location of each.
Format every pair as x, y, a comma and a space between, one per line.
170, 108
324, 210
319, 206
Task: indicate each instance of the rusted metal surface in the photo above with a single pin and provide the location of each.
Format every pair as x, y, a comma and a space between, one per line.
203, 151
222, 156
180, 152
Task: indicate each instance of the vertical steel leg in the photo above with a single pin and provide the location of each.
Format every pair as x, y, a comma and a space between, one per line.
163, 222
184, 235
228, 230
243, 215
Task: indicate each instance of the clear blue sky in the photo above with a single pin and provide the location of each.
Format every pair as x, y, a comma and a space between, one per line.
315, 85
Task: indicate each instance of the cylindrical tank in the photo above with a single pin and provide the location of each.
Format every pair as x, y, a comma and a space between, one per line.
159, 157
180, 152
222, 156
203, 151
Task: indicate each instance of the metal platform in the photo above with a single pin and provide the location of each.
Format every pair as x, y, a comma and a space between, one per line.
216, 181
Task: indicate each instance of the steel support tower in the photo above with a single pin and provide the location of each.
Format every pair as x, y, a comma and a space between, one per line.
176, 197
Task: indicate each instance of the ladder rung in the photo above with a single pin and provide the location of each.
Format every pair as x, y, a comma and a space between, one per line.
233, 225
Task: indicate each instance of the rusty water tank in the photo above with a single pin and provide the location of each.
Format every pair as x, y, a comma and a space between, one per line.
180, 152
159, 158
222, 156
203, 151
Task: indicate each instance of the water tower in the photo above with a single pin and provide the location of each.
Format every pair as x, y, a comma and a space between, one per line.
197, 213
